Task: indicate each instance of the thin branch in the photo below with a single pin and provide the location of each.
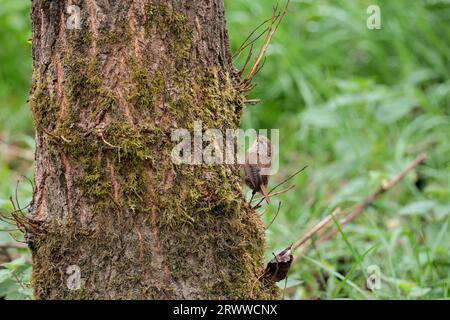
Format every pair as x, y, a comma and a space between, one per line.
287, 179
278, 185
13, 246
265, 43
12, 202
6, 219
9, 230
249, 56
275, 193
16, 193
356, 211
276, 18
244, 44
275, 21
261, 199
14, 212
276, 215
251, 43
360, 208
19, 241
29, 180
252, 101
315, 229
260, 66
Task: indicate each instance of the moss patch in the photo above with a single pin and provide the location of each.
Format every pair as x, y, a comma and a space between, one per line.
208, 236
42, 106
146, 88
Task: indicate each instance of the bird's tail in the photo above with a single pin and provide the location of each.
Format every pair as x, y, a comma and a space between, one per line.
264, 192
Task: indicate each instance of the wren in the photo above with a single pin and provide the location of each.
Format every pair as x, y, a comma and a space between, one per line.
255, 178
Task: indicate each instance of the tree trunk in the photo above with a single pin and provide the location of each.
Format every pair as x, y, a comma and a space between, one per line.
108, 199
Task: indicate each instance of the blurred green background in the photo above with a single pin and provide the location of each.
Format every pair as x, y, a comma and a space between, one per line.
355, 105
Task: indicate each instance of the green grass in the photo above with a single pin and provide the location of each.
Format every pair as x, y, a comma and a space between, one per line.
355, 105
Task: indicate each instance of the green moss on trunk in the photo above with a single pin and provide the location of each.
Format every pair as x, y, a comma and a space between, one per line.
209, 237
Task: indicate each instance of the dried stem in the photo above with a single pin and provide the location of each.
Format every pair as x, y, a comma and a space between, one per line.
288, 178
303, 243
274, 23
245, 44
278, 185
373, 197
274, 194
276, 215
314, 230
252, 101
247, 60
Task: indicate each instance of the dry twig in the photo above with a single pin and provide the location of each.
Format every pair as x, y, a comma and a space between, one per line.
278, 185
13, 246
276, 215
275, 193
269, 32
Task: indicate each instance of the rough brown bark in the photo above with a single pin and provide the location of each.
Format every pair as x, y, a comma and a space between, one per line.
108, 198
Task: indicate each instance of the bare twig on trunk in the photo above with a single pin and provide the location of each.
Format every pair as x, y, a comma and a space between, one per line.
255, 67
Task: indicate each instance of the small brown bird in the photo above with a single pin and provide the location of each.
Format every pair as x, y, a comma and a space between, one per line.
255, 178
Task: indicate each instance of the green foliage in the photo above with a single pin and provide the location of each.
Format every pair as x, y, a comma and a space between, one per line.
15, 279
354, 104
